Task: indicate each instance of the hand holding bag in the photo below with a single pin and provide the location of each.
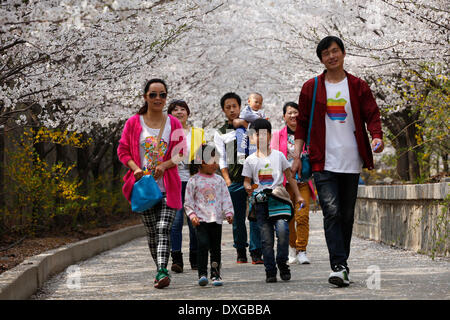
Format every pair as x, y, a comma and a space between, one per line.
306, 164
146, 192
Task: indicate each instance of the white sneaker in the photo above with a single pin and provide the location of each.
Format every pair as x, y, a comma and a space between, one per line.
292, 256
339, 278
302, 258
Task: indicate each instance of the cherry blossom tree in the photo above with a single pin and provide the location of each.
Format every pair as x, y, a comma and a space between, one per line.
269, 46
81, 64
76, 62
401, 49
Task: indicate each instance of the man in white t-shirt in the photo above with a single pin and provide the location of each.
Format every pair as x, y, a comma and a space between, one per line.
339, 147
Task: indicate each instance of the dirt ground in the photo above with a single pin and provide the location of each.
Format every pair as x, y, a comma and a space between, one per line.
32, 246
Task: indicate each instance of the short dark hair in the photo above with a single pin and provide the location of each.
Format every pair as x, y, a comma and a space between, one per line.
261, 124
144, 108
289, 104
326, 42
230, 95
178, 103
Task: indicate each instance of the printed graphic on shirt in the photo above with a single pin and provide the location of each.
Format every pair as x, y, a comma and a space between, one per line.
149, 144
209, 194
336, 108
265, 176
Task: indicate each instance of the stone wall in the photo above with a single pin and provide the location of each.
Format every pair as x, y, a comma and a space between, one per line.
414, 217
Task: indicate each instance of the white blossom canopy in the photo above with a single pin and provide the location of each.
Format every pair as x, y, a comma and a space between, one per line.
86, 62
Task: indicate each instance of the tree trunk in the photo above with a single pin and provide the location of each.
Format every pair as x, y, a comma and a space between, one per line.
60, 157
413, 161
403, 168
60, 154
40, 149
399, 142
2, 164
38, 221
100, 148
445, 162
95, 169
2, 181
401, 125
83, 168
116, 166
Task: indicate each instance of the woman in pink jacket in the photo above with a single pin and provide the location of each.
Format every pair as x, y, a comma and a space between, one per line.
137, 151
283, 141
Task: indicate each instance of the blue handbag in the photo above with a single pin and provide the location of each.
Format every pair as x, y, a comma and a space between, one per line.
145, 194
306, 164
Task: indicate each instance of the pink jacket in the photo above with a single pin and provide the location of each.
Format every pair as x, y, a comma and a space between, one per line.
129, 150
279, 142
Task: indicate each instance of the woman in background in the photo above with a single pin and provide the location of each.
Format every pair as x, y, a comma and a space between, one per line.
195, 137
283, 141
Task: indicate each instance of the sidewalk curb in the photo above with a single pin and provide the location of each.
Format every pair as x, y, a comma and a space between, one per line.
22, 281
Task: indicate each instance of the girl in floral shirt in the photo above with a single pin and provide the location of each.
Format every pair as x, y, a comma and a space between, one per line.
207, 204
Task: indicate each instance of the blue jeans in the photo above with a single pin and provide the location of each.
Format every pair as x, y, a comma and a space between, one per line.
337, 196
267, 229
177, 227
239, 199
255, 236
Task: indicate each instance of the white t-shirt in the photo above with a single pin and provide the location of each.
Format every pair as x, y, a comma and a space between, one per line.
183, 166
266, 172
147, 143
220, 141
341, 149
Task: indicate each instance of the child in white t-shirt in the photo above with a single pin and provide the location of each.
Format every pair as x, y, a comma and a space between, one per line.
266, 168
252, 111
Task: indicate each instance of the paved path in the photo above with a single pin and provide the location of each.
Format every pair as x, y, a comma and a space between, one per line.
127, 272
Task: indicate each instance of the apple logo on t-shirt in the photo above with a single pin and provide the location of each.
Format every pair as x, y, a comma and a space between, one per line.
336, 108
265, 176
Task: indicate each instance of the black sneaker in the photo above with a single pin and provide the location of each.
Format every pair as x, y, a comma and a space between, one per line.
241, 255
285, 273
271, 277
256, 256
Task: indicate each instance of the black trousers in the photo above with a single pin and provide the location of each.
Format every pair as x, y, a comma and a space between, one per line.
209, 237
337, 196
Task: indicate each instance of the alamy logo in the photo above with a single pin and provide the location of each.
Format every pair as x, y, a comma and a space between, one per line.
73, 277
374, 280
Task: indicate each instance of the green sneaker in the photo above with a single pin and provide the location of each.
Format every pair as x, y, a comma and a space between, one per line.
162, 278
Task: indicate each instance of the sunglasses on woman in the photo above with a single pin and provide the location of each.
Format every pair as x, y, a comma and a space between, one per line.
162, 95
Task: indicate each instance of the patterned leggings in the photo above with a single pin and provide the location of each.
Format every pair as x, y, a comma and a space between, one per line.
158, 223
